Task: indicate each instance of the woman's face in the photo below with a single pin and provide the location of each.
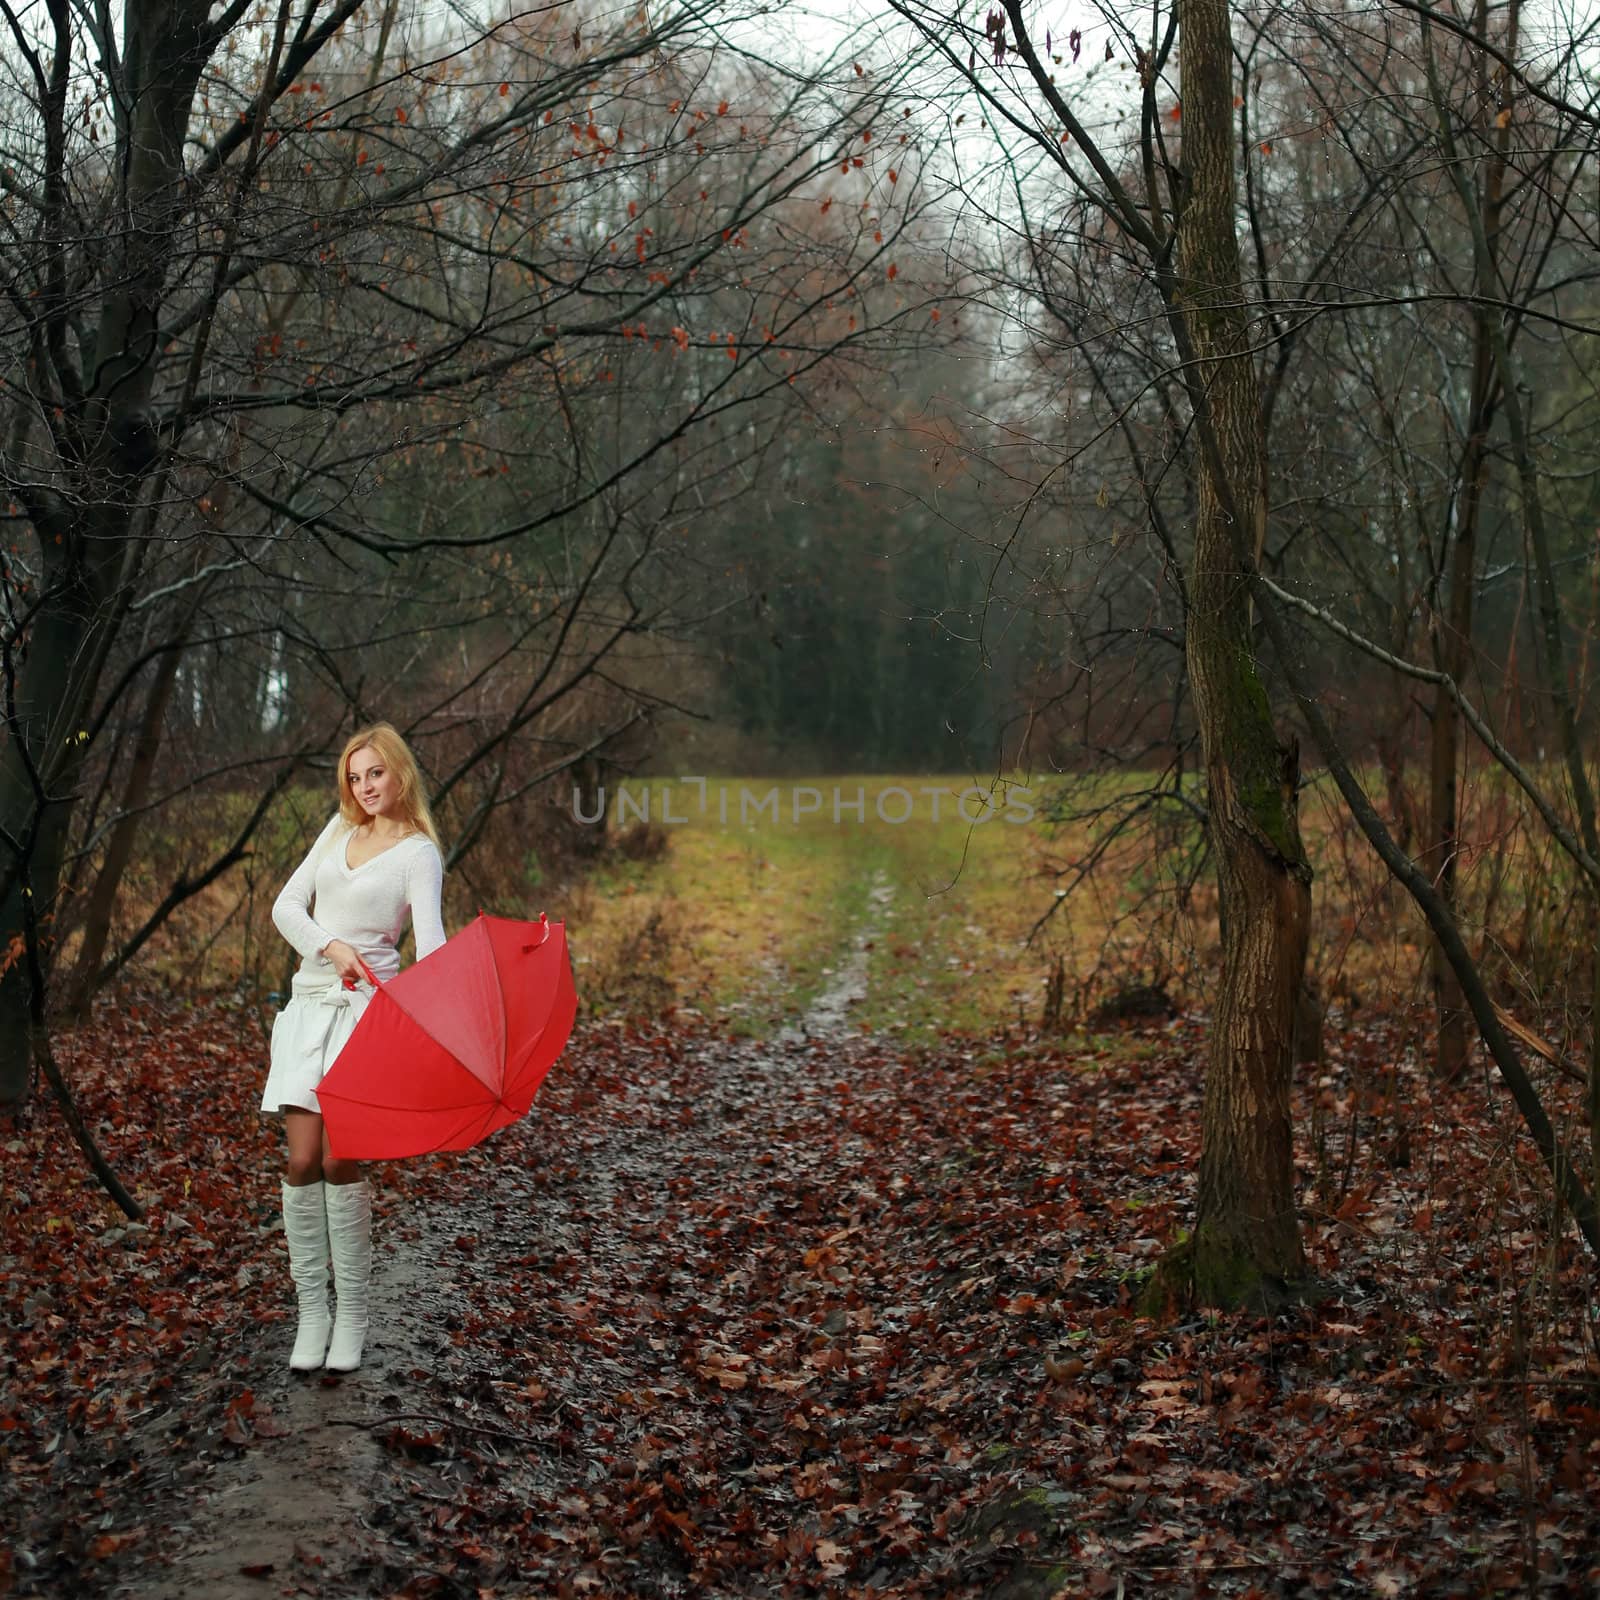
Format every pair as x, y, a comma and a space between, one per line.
376, 788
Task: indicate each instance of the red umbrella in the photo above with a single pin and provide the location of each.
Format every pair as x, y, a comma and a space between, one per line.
455, 1046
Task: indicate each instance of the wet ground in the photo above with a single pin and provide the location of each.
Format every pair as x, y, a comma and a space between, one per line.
297, 1497
818, 1316
309, 1504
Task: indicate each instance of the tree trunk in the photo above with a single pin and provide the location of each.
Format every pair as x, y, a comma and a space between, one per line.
124, 833
40, 762
1453, 646
1246, 1240
103, 439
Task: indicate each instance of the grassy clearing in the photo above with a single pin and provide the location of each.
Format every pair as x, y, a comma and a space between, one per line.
744, 901
748, 917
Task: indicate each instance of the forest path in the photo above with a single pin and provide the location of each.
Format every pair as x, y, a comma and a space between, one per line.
294, 1500
304, 1508
825, 1314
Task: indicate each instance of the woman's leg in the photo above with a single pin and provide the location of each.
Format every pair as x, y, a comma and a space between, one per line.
332, 1169
305, 1229
350, 1242
306, 1145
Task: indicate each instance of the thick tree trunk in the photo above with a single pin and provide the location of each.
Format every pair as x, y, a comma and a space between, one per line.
40, 761
1246, 1240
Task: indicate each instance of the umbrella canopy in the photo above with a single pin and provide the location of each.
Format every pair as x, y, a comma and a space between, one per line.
455, 1046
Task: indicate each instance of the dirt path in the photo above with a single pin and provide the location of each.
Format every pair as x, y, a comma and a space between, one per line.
295, 1498
815, 1317
828, 1016
304, 1506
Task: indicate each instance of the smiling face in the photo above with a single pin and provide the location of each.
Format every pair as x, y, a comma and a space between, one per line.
375, 787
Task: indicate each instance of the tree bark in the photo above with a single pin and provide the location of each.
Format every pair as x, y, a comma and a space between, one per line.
124, 834
1453, 644
40, 761
1246, 1241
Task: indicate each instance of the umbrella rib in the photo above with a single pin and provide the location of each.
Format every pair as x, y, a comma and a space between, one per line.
484, 1121
387, 1105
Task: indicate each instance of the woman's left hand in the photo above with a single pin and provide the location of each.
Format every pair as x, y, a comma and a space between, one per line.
350, 967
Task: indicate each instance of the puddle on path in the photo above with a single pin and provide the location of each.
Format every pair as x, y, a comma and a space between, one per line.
828, 1015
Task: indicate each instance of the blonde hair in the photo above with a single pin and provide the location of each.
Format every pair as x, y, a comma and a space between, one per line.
396, 755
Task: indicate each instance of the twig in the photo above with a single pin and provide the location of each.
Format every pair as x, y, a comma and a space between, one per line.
438, 1422
1545, 1052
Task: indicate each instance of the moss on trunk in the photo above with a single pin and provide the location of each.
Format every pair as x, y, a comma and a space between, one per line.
1214, 1271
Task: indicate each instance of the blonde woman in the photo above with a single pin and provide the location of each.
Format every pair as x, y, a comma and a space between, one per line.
374, 867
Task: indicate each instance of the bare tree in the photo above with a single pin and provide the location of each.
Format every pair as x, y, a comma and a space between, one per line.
384, 364
1174, 222
1230, 380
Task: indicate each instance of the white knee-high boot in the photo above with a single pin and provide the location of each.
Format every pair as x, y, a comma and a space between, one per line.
305, 1229
350, 1239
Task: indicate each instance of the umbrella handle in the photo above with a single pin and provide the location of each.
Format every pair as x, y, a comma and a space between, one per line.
367, 971
544, 922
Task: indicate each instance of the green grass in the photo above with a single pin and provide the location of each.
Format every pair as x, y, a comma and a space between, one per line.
750, 917
758, 915
755, 914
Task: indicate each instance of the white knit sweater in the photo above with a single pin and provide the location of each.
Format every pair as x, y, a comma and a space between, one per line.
366, 906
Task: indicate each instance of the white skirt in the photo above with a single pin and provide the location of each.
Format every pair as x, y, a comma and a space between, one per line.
307, 1036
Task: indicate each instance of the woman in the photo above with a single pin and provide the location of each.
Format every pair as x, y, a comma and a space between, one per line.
376, 864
